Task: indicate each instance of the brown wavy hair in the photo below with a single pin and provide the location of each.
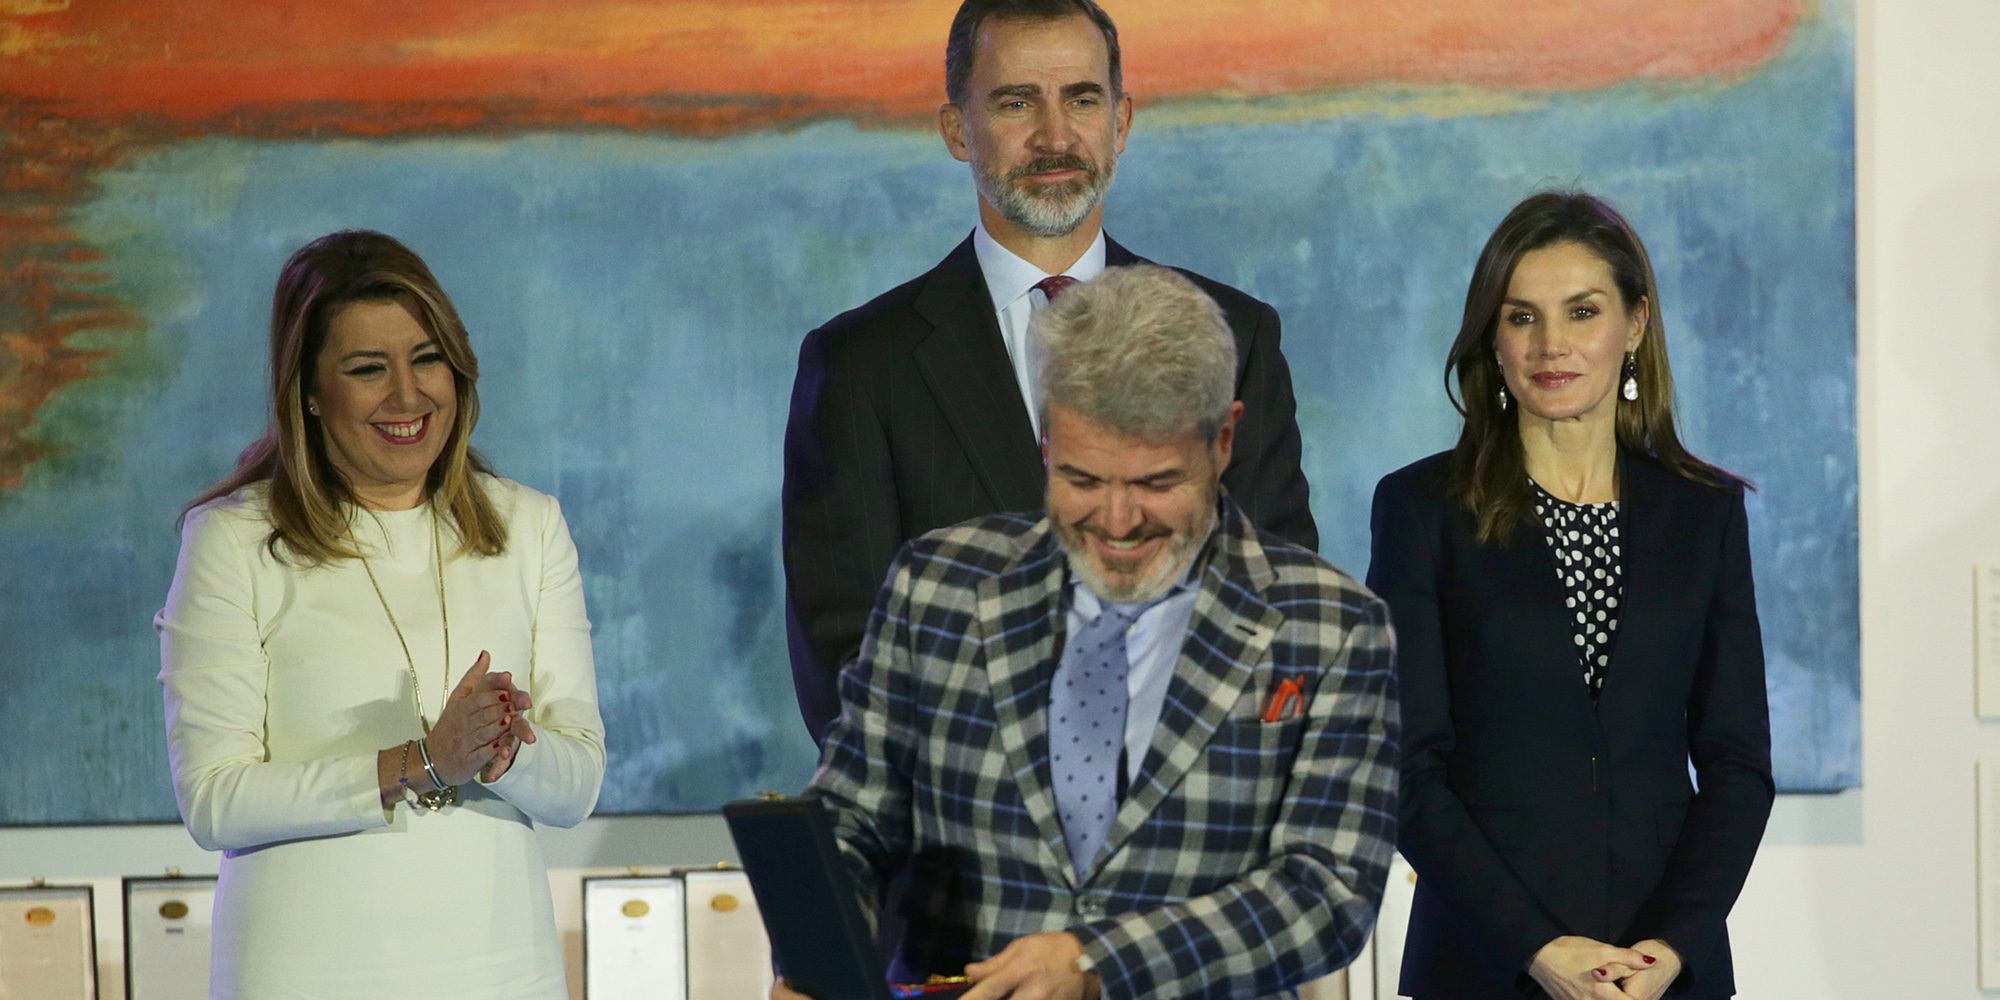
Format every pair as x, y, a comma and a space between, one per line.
311, 505
1488, 469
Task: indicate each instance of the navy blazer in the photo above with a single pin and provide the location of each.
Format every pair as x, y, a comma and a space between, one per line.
906, 417
1530, 813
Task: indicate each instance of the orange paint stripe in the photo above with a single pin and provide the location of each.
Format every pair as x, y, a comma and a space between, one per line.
193, 60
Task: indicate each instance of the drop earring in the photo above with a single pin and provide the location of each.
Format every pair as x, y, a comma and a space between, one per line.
1503, 398
1631, 391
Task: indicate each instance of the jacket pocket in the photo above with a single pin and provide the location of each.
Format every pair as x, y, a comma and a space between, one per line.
1260, 737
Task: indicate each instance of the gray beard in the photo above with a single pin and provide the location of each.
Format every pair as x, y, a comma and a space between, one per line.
1180, 553
1050, 214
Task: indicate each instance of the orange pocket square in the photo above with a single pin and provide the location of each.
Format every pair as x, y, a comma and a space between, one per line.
1287, 702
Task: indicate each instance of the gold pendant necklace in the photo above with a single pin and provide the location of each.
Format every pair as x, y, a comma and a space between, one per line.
436, 798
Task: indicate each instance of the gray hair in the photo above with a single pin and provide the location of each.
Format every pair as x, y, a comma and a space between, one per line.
1139, 350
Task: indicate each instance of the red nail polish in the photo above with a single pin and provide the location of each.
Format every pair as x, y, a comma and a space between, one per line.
1650, 959
1601, 973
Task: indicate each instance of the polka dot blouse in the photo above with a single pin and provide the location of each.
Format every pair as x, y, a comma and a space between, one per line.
1584, 539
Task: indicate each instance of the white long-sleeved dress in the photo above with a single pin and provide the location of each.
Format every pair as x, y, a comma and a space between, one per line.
281, 685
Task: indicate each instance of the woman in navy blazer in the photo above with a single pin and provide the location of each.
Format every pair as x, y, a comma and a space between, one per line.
1576, 625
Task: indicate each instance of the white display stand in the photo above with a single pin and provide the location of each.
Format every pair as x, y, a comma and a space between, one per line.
1391, 928
1374, 973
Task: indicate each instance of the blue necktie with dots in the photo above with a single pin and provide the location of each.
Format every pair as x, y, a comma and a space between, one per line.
1087, 701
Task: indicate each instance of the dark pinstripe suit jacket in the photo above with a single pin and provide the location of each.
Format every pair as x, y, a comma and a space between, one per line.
1528, 811
1248, 856
906, 417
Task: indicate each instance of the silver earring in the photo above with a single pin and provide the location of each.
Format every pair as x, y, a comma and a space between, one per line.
1631, 391
1503, 399
312, 408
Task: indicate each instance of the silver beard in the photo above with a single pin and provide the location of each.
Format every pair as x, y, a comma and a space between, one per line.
1180, 552
1054, 211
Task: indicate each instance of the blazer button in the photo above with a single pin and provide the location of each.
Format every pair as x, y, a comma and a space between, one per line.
1089, 906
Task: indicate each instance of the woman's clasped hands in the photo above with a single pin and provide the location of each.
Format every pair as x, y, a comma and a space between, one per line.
1578, 968
482, 726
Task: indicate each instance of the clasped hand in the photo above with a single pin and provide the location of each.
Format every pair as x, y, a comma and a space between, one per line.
483, 723
1579, 968
1035, 967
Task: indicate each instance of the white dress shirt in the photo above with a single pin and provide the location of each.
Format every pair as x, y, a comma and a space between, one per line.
1011, 281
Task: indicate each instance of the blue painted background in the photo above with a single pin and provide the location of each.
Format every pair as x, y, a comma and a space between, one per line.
637, 304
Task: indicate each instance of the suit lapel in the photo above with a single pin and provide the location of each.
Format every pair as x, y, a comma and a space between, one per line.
1115, 254
964, 363
1021, 623
1521, 578
1645, 531
1228, 635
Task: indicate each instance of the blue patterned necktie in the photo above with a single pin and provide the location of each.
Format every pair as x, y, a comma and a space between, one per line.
1087, 729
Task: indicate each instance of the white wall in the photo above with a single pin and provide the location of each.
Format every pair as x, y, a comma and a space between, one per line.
1865, 895
1872, 894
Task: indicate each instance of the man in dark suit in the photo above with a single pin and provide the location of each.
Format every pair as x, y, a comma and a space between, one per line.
910, 412
1126, 744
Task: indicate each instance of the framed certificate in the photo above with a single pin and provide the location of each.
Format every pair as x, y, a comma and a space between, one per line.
167, 932
48, 947
728, 956
635, 938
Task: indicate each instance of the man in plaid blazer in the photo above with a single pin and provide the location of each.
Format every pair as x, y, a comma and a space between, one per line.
1246, 844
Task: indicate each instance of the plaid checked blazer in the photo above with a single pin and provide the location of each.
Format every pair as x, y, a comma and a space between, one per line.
1248, 857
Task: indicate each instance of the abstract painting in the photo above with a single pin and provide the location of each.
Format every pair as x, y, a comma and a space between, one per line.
641, 208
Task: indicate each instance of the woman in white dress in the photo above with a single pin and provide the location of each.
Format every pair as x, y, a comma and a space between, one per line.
376, 663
